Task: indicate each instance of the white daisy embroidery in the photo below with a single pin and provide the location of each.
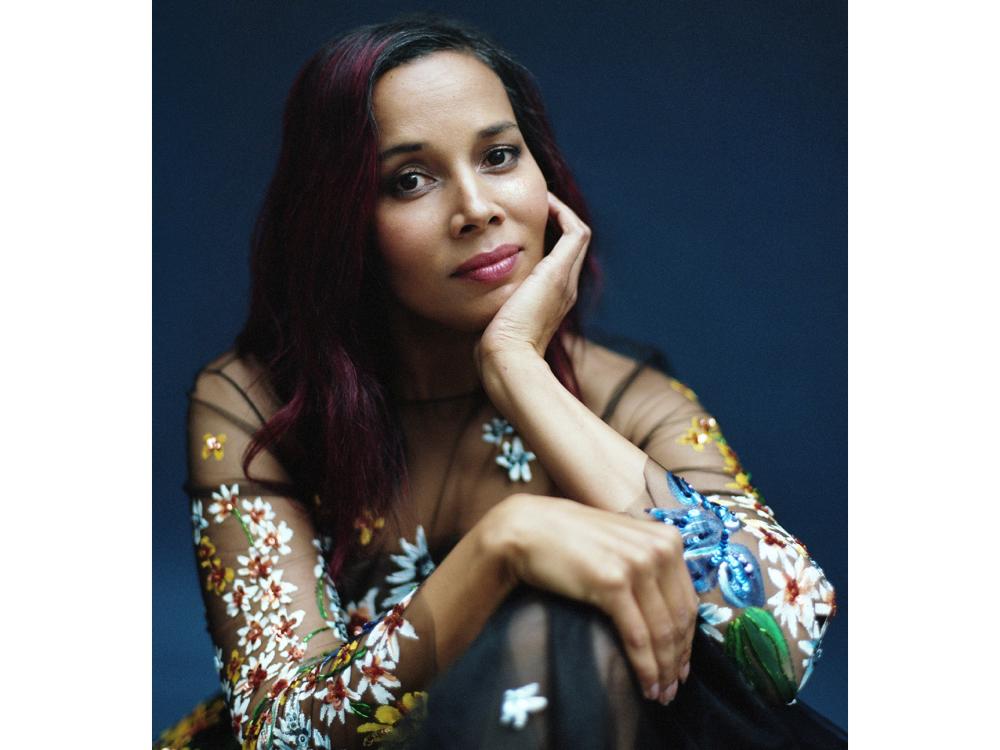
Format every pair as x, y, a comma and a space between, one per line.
825, 594
257, 671
274, 539
257, 566
515, 460
496, 429
335, 697
811, 651
774, 543
276, 592
712, 615
357, 614
283, 626
239, 711
225, 502
238, 600
294, 651
793, 601
384, 635
519, 702
415, 565
252, 634
376, 676
258, 515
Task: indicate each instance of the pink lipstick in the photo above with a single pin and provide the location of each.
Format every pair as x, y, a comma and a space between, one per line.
489, 267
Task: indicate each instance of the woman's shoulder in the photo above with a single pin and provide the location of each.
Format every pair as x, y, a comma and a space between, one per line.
629, 373
230, 401
239, 384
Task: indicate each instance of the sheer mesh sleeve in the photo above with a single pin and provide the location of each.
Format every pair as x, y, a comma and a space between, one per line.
294, 670
762, 596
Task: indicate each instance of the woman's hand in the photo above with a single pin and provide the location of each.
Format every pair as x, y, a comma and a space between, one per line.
630, 569
528, 319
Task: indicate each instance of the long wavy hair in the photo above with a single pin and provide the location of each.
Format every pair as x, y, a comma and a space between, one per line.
316, 319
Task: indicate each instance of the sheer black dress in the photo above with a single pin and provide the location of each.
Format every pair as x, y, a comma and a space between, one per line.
307, 661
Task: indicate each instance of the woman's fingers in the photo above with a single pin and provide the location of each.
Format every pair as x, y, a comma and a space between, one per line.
575, 238
631, 569
674, 582
536, 309
653, 631
667, 598
686, 614
628, 619
665, 632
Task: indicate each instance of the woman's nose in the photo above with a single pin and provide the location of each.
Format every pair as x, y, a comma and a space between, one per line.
475, 207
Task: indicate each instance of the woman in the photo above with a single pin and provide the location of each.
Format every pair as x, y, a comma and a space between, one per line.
399, 477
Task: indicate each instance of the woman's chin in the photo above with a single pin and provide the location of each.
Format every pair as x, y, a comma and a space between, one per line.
471, 316
492, 303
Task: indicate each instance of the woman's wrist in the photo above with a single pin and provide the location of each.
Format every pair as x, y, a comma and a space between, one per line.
499, 540
501, 371
467, 588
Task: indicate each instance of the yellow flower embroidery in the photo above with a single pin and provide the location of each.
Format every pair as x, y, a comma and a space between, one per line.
742, 482
213, 446
218, 576
732, 461
206, 552
179, 736
233, 667
345, 654
386, 717
367, 527
681, 388
703, 430
735, 469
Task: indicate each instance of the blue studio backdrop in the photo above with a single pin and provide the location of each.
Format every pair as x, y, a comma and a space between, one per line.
710, 140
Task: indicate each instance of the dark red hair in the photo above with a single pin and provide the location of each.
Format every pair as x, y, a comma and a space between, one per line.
316, 322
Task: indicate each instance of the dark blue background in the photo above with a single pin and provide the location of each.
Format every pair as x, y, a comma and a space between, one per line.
711, 142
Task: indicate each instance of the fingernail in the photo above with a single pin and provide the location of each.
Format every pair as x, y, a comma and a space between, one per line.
669, 694
653, 692
685, 671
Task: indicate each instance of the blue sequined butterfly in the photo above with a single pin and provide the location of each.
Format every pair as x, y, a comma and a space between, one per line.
712, 560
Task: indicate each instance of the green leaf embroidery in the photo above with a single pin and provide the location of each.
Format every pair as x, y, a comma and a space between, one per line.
246, 531
755, 641
319, 599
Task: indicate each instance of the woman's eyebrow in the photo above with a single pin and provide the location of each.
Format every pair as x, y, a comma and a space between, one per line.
496, 129
408, 148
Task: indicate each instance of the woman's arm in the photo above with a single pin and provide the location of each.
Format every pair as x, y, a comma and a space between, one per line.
586, 458
290, 655
765, 598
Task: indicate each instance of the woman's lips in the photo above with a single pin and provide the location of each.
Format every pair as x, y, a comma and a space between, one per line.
492, 266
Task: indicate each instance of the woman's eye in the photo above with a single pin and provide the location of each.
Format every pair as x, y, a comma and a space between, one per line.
502, 157
409, 182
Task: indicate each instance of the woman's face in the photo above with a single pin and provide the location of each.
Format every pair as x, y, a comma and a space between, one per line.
457, 181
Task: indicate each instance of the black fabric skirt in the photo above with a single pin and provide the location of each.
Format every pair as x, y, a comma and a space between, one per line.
592, 701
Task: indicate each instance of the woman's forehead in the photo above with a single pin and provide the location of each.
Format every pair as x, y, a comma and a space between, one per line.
444, 92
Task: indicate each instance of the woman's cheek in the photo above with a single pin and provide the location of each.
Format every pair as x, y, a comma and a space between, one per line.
535, 199
395, 237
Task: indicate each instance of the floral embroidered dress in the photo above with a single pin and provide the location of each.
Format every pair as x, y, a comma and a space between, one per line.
306, 661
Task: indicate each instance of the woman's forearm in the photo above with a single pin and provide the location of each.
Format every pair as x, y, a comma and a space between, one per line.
585, 457
465, 590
